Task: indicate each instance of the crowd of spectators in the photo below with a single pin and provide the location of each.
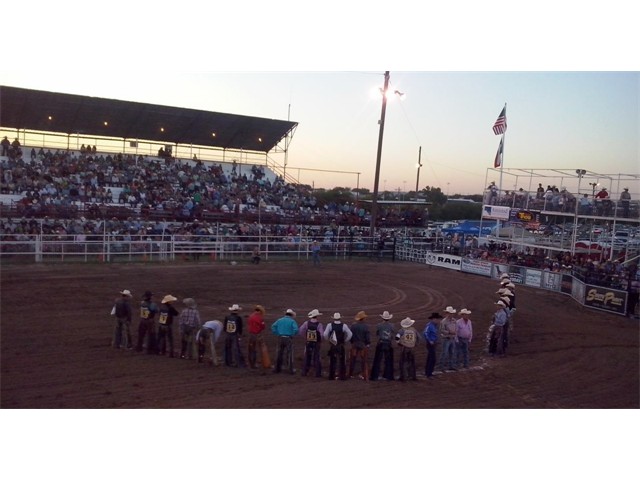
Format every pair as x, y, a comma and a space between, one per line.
557, 199
72, 184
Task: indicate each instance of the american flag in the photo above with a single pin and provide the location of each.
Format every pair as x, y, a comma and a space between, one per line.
498, 161
501, 123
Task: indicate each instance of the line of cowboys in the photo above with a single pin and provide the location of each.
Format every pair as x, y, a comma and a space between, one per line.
454, 332
501, 329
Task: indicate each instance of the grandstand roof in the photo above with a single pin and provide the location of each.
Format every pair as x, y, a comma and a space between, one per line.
22, 108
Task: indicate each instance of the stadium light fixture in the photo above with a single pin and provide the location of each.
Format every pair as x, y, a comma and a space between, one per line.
376, 182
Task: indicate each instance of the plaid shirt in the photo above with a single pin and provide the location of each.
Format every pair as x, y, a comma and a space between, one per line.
190, 317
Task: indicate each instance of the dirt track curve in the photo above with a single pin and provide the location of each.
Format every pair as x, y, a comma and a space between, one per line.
56, 333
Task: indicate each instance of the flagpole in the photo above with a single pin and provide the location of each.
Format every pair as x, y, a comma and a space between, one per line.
501, 167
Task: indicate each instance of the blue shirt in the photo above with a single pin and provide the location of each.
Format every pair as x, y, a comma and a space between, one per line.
285, 326
431, 332
500, 317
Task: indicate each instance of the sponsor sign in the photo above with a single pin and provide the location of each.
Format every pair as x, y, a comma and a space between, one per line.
495, 212
516, 274
526, 218
605, 299
577, 291
552, 280
533, 278
566, 285
443, 260
477, 266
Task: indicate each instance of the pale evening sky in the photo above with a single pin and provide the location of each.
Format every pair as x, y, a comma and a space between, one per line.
562, 113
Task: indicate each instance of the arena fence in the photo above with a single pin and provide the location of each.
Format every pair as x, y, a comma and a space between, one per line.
599, 297
113, 249
108, 248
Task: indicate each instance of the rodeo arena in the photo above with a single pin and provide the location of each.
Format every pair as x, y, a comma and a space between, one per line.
98, 181
76, 188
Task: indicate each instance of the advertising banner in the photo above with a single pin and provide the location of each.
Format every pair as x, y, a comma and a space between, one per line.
551, 281
515, 273
533, 278
604, 298
567, 284
495, 212
477, 266
443, 260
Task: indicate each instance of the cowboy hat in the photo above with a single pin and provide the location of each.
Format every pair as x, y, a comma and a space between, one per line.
290, 312
337, 316
407, 322
189, 302
313, 313
504, 275
360, 315
501, 303
235, 307
386, 315
434, 315
464, 311
147, 294
510, 285
169, 299
126, 293
450, 309
259, 308
506, 300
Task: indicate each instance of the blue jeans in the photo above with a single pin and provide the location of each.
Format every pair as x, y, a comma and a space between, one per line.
463, 351
285, 354
448, 356
122, 334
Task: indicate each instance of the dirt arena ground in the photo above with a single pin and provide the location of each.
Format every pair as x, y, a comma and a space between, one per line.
56, 333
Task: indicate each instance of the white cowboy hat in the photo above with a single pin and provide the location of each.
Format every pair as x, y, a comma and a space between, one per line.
337, 316
314, 313
168, 298
450, 309
506, 300
386, 315
290, 312
505, 275
126, 293
407, 322
501, 303
464, 311
510, 285
235, 307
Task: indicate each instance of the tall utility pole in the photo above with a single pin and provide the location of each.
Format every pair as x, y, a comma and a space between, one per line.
419, 166
376, 181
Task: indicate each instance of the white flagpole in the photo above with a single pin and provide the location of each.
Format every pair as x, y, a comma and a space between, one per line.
500, 193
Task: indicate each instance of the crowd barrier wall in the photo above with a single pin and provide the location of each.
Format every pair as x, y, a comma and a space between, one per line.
591, 296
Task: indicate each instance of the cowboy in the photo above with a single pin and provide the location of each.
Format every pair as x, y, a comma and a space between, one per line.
285, 328
384, 348
448, 335
312, 331
464, 332
625, 200
189, 322
233, 332
256, 326
430, 335
496, 342
167, 313
338, 334
360, 342
122, 311
209, 333
407, 338
146, 328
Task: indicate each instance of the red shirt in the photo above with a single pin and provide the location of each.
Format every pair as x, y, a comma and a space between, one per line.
255, 323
